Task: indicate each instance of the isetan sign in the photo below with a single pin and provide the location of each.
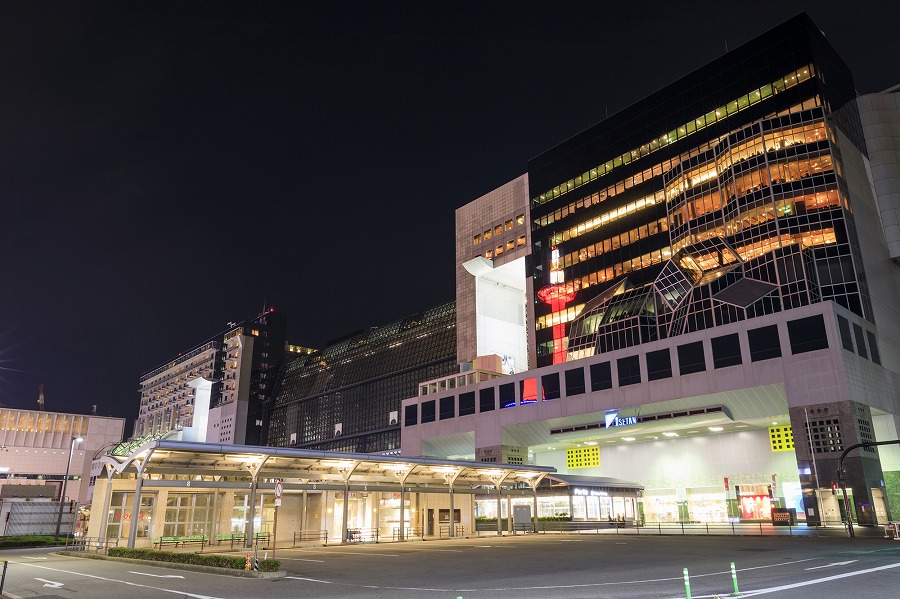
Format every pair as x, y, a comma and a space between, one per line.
612, 419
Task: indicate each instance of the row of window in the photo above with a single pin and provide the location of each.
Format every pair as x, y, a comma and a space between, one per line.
498, 229
509, 246
698, 124
804, 335
856, 341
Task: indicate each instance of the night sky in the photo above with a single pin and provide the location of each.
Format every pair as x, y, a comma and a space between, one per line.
167, 167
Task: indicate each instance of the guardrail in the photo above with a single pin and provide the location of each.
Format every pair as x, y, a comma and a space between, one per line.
409, 533
667, 528
362, 535
444, 530
96, 544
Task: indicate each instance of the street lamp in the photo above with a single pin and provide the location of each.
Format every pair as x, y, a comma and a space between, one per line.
62, 494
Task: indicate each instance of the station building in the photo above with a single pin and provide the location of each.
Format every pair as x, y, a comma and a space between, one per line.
705, 296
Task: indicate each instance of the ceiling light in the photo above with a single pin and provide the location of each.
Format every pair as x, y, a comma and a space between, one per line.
628, 438
670, 434
740, 426
590, 442
774, 423
716, 429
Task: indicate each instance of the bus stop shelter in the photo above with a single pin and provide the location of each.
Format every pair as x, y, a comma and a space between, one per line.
179, 467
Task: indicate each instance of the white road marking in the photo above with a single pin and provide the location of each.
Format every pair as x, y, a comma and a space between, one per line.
354, 553
817, 581
301, 559
29, 557
50, 583
834, 564
156, 575
125, 582
309, 579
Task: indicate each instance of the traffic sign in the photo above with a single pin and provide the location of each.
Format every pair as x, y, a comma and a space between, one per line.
279, 489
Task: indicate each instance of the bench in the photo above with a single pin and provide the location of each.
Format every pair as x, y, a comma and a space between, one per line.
182, 540
231, 538
166, 541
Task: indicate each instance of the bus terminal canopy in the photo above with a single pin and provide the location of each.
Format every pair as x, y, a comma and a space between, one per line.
172, 464
300, 469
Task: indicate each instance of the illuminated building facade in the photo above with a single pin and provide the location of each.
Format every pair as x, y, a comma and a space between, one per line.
347, 396
34, 452
232, 376
710, 296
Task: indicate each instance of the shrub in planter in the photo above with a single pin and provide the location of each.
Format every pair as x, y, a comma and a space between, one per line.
231, 562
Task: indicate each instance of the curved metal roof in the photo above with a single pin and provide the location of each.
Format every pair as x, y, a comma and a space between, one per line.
245, 461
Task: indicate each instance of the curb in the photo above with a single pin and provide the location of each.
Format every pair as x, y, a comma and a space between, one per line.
176, 566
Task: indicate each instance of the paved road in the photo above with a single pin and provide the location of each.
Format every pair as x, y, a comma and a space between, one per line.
529, 567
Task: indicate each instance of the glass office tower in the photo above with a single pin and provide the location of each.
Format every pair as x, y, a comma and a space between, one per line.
719, 198
347, 396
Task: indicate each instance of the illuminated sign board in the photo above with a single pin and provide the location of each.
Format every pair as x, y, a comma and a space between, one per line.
591, 492
612, 419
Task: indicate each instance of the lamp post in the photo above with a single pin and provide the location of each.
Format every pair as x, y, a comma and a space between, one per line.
62, 494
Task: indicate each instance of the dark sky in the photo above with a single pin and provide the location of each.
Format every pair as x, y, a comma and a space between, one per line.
167, 167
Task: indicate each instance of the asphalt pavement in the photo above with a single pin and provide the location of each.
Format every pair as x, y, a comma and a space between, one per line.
521, 566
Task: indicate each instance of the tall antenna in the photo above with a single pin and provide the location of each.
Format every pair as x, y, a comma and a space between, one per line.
41, 397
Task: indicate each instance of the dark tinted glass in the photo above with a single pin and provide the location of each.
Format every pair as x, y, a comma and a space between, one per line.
411, 415
807, 334
726, 351
428, 409
764, 343
486, 400
846, 336
860, 340
601, 376
507, 395
467, 403
873, 347
574, 382
448, 407
550, 386
659, 365
690, 358
629, 370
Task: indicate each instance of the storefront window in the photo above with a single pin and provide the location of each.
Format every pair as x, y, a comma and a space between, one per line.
188, 514
707, 504
660, 505
263, 515
119, 517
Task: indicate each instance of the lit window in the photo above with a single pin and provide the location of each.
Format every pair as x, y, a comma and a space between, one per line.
510, 245
520, 220
487, 234
498, 229
509, 225
489, 254
499, 250
520, 240
477, 239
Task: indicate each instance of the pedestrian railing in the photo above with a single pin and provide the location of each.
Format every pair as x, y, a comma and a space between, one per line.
95, 544
311, 536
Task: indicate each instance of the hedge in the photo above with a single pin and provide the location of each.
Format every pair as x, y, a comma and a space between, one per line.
31, 541
218, 561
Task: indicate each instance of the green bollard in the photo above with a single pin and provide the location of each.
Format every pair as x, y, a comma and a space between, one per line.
736, 592
687, 585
